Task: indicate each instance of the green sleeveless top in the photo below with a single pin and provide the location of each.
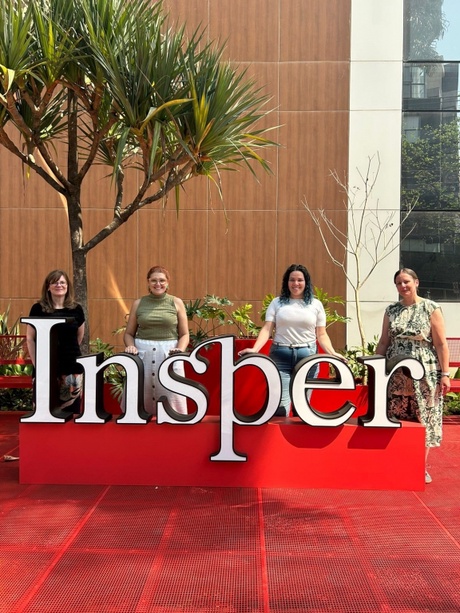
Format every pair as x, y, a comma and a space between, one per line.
157, 318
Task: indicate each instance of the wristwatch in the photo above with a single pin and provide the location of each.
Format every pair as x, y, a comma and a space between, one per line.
445, 374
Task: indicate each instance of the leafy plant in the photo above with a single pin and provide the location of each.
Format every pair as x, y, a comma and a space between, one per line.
15, 399
266, 301
5, 328
242, 320
12, 344
208, 315
13, 348
451, 403
15, 369
332, 316
353, 353
211, 313
113, 374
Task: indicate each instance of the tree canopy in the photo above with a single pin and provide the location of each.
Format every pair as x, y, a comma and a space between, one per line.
119, 87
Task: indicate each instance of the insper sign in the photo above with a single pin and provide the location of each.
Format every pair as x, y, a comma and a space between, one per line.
94, 366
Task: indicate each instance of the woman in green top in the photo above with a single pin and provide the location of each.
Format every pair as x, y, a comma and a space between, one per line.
157, 327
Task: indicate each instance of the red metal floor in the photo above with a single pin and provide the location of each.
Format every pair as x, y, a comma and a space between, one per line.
120, 549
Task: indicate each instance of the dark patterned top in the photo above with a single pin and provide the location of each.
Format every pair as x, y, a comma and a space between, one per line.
68, 348
410, 331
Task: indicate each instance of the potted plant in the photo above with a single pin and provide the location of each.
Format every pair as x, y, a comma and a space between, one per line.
114, 377
211, 313
14, 362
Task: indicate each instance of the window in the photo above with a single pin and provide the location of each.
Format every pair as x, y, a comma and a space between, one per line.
430, 173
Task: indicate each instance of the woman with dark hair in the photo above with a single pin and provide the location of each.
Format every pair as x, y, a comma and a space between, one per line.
158, 327
57, 300
298, 321
414, 327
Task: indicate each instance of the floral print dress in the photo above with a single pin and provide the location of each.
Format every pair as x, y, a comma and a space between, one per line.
408, 399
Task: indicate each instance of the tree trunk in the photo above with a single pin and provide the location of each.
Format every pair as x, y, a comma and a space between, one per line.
81, 290
362, 335
80, 281
359, 319
79, 253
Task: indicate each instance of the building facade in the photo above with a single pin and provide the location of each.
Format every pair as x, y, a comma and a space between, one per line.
335, 71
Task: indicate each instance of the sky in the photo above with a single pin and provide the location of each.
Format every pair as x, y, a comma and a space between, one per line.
449, 46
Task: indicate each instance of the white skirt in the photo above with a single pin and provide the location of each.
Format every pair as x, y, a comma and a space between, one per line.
152, 354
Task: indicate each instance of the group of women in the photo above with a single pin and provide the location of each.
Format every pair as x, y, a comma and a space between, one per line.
295, 320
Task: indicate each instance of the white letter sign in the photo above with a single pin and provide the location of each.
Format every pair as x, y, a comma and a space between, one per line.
379, 372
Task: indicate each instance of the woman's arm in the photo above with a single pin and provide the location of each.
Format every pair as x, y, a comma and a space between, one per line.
384, 341
265, 333
81, 333
183, 338
30, 341
440, 344
325, 342
131, 328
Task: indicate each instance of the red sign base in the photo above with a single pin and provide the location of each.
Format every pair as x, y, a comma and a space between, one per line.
284, 452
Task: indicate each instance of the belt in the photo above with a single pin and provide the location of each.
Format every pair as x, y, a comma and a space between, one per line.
293, 346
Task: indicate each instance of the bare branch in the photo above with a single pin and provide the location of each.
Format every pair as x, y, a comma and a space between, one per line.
29, 160
367, 232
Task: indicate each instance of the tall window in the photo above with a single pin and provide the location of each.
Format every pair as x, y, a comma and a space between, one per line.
430, 146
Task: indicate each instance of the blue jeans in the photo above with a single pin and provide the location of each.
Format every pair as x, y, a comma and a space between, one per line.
285, 359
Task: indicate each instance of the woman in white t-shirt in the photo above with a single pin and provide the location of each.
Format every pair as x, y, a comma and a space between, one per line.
298, 321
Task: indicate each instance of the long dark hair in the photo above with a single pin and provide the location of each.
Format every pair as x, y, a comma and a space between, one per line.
308, 293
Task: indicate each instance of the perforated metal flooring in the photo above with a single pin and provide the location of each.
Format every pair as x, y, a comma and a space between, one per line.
96, 549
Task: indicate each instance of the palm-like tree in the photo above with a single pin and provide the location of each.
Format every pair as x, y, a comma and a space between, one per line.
118, 87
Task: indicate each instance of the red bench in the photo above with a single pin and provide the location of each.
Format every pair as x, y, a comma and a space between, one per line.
454, 361
13, 351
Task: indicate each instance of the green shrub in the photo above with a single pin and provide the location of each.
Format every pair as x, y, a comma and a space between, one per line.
113, 374
452, 403
16, 399
353, 353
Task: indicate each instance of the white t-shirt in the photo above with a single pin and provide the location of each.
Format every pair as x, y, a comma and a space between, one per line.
296, 322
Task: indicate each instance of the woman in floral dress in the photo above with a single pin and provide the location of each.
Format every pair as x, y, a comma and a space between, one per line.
414, 326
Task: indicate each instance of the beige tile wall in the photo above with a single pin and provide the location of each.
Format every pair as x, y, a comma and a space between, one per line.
300, 51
